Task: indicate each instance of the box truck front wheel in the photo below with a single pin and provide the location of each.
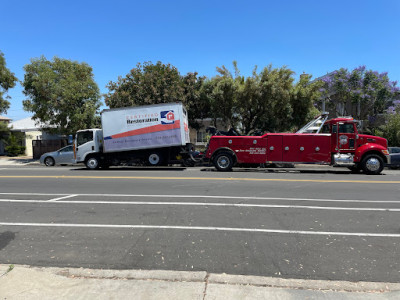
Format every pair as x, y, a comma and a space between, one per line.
92, 163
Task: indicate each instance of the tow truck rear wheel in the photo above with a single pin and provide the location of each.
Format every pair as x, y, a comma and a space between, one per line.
372, 164
223, 161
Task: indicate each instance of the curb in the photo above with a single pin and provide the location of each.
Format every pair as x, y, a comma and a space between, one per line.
211, 278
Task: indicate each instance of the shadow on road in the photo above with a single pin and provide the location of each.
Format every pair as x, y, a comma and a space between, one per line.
284, 170
132, 169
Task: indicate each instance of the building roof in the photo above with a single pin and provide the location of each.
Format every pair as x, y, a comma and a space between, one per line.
27, 124
4, 119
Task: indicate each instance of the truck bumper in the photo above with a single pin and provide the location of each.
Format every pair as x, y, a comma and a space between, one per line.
388, 159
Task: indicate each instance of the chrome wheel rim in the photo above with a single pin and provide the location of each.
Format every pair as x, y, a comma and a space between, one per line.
92, 163
373, 164
223, 162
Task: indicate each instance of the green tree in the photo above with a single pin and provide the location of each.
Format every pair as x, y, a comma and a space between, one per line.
62, 94
14, 144
222, 97
159, 83
267, 100
146, 84
196, 101
391, 130
304, 94
4, 131
7, 81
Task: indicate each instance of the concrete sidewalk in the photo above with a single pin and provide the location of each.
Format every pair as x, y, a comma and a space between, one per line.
17, 161
25, 282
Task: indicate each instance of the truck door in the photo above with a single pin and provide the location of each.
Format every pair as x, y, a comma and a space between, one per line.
84, 144
346, 139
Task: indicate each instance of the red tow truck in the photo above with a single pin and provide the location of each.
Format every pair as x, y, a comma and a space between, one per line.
319, 142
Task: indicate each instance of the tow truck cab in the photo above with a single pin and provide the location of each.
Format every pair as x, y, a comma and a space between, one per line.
319, 142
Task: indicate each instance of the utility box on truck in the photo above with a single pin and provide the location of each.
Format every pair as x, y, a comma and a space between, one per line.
154, 134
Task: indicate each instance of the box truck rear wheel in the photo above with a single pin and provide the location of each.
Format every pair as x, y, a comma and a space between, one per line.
92, 163
155, 159
223, 161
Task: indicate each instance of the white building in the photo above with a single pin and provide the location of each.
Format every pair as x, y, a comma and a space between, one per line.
33, 131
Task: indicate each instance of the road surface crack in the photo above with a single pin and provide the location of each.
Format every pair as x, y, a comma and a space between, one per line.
205, 286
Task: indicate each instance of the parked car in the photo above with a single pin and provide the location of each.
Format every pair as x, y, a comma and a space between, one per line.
60, 157
394, 153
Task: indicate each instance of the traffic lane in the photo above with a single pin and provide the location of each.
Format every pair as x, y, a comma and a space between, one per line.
207, 216
221, 200
276, 255
327, 174
264, 185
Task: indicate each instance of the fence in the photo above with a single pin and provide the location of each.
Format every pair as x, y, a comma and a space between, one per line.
42, 146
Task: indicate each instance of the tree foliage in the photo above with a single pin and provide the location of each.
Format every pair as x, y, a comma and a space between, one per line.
158, 83
4, 131
7, 81
62, 94
146, 84
360, 92
14, 144
391, 129
265, 101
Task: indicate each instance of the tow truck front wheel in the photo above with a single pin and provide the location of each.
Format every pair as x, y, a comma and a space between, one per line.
223, 161
372, 164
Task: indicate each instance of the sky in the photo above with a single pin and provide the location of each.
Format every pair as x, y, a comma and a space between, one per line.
315, 37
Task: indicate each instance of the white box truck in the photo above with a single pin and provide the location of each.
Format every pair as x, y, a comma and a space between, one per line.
154, 135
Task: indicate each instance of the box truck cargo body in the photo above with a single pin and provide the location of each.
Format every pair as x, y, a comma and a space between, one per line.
155, 135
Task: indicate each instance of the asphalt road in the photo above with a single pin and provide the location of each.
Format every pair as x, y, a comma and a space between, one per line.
321, 223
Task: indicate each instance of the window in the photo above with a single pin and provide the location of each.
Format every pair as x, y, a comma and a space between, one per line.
84, 137
325, 129
344, 128
201, 137
66, 149
394, 150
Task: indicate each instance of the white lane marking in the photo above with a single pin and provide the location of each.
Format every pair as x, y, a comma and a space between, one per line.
211, 197
240, 205
60, 198
34, 194
258, 230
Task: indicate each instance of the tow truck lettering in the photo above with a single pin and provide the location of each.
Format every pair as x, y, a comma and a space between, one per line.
253, 150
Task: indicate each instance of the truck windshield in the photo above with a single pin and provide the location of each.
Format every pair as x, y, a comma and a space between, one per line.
84, 137
344, 128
